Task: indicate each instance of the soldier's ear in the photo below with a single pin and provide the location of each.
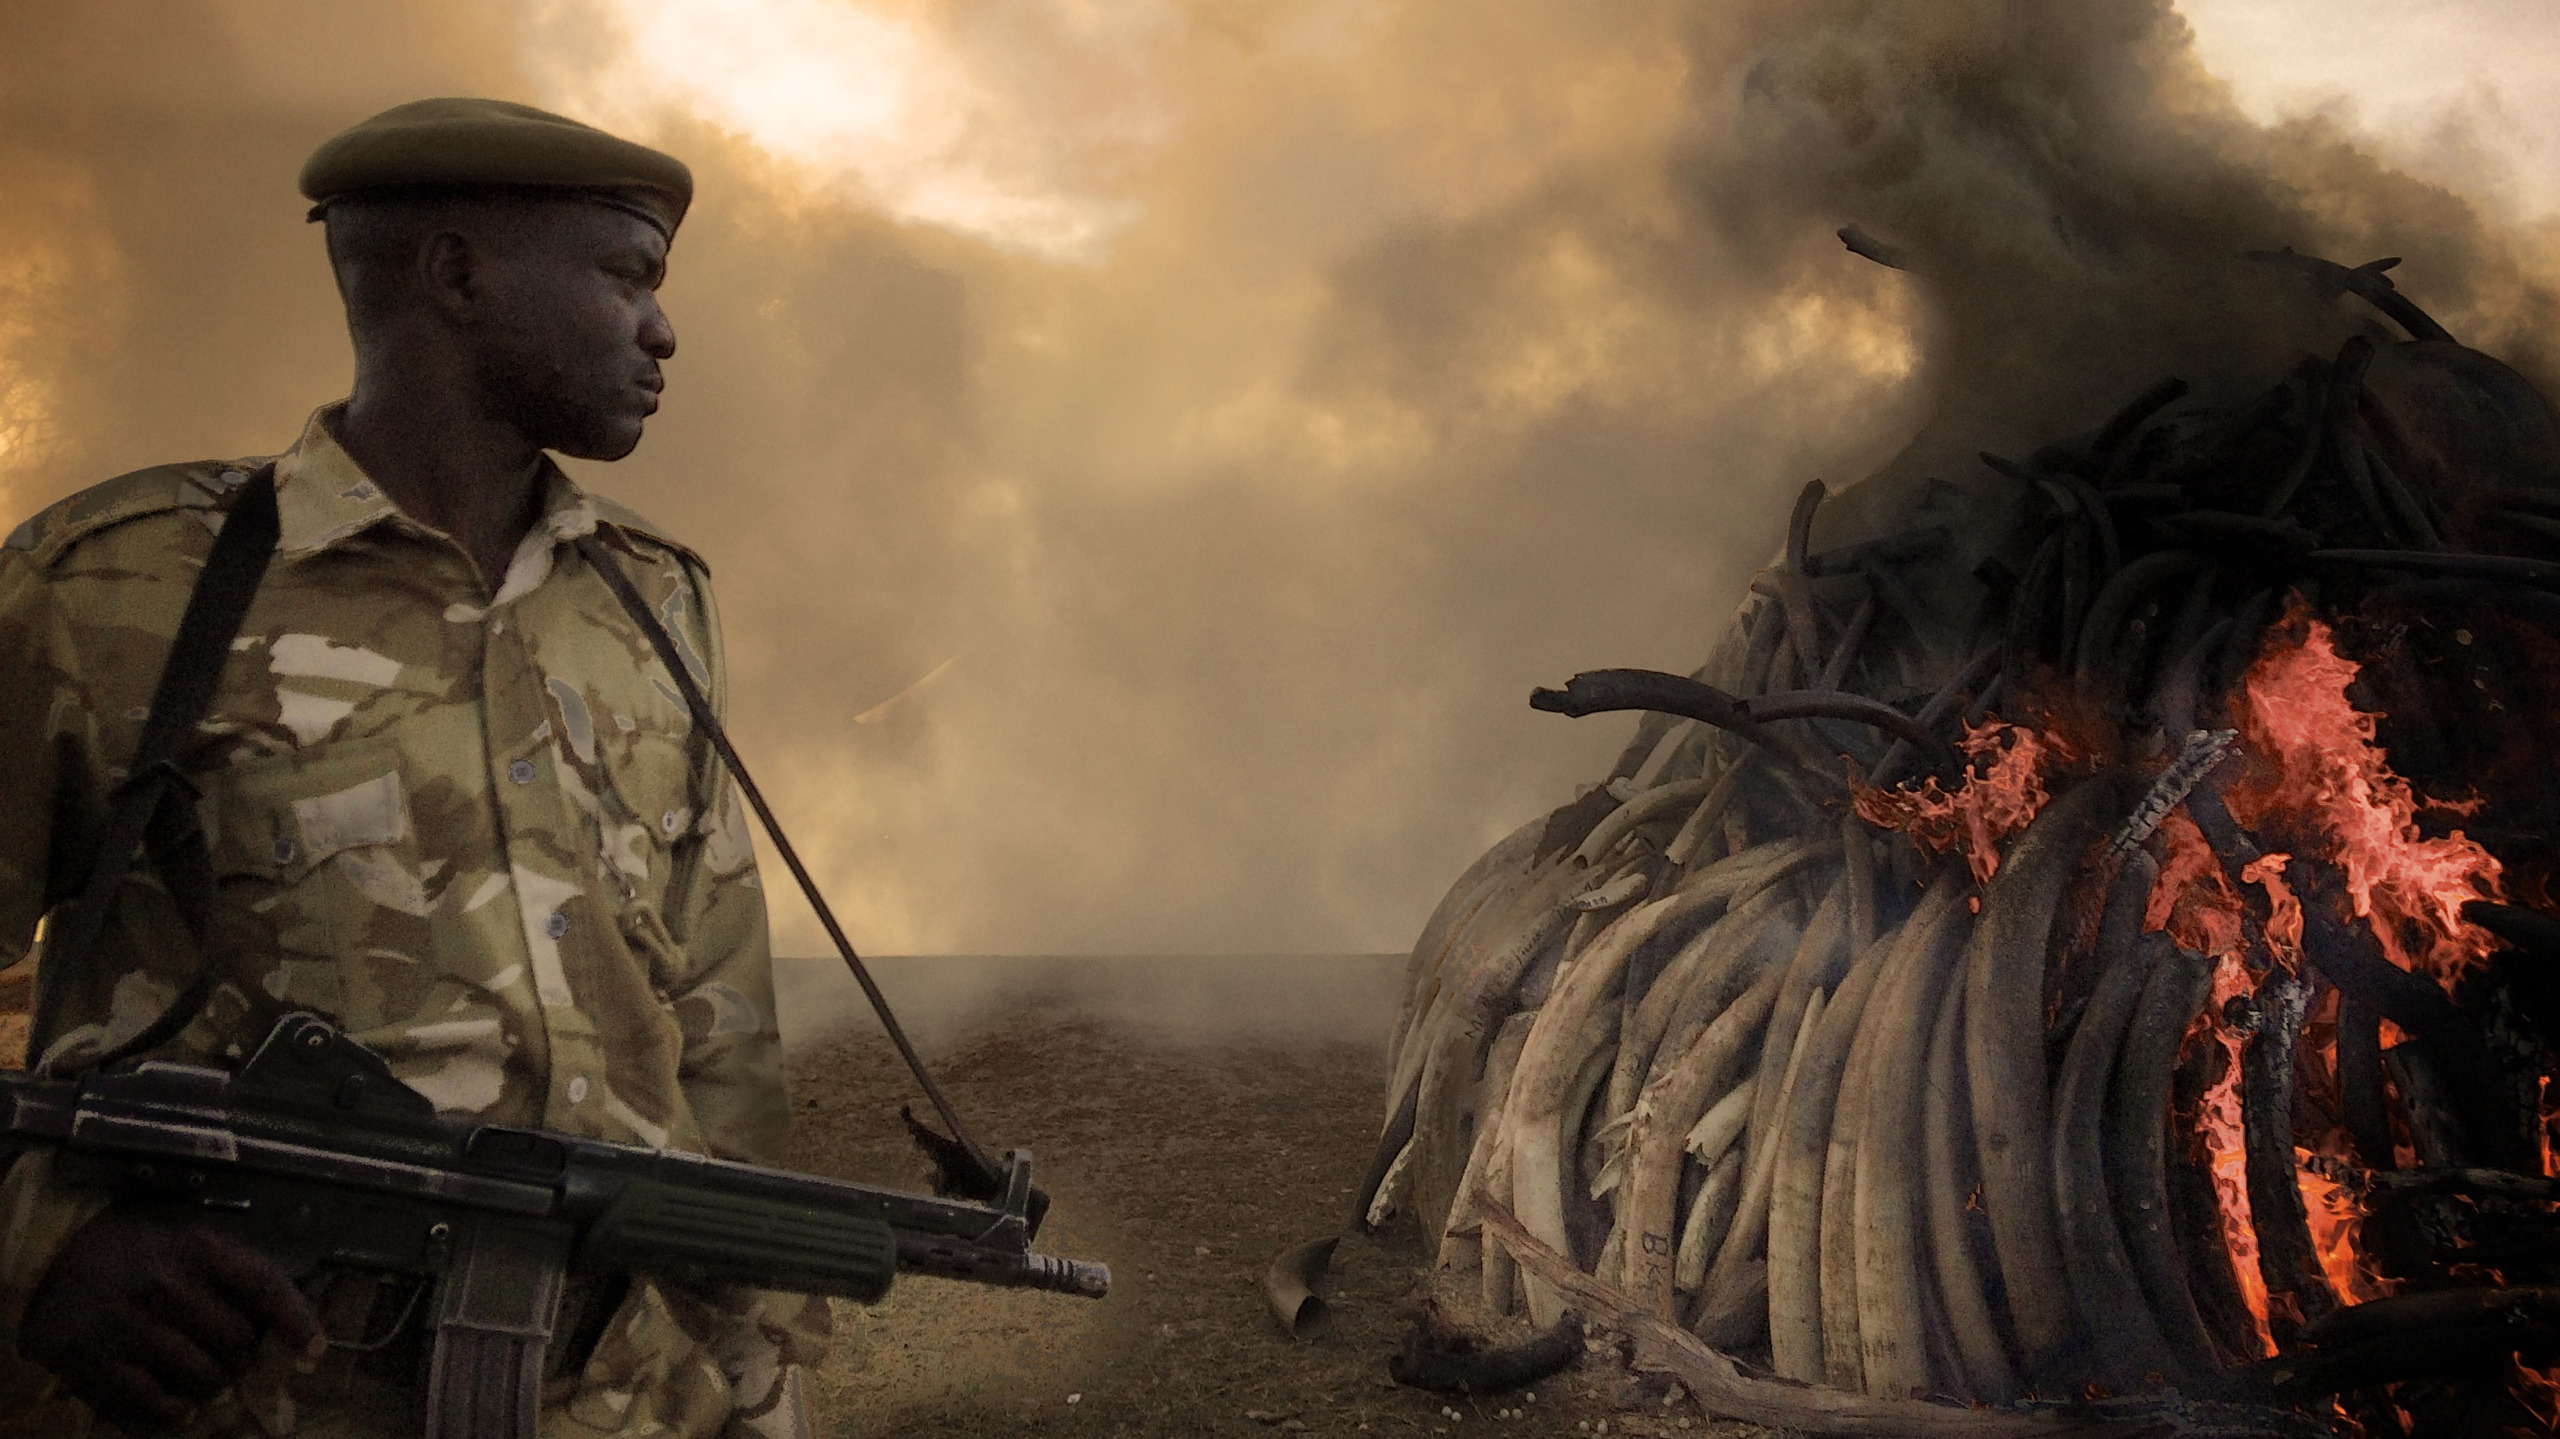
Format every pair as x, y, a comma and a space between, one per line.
453, 273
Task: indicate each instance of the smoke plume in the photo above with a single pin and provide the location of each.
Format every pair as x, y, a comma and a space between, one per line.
1148, 451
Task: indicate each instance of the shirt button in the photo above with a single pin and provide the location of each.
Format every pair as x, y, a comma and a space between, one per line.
578, 1090
284, 849
521, 771
557, 925
671, 821
497, 627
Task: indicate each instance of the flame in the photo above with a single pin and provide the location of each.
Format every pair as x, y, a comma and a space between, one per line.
2193, 900
2319, 782
2222, 1139
2284, 909
2537, 1391
2337, 1216
2320, 777
2004, 788
2547, 1105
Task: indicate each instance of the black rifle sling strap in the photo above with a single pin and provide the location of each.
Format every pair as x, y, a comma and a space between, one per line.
606, 567
154, 807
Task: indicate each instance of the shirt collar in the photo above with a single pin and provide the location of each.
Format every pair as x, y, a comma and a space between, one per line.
323, 497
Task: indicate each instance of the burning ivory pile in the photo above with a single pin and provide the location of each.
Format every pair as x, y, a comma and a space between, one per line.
2138, 985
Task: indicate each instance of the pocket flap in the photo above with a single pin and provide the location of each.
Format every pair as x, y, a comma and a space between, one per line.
280, 815
373, 812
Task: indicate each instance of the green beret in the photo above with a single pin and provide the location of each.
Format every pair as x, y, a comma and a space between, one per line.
464, 143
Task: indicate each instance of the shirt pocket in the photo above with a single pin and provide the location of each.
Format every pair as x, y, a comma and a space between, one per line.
650, 779
317, 850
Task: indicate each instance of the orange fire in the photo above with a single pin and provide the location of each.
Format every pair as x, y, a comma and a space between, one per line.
2193, 899
2316, 781
2219, 1130
2320, 777
2337, 1234
2538, 1391
2284, 911
2006, 765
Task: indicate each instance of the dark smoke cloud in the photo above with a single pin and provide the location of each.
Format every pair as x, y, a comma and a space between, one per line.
1420, 354
2076, 198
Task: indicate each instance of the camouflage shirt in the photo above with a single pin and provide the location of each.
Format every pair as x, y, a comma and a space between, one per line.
477, 829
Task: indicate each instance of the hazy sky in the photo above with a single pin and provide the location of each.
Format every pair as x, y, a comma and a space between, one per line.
1229, 409
2470, 88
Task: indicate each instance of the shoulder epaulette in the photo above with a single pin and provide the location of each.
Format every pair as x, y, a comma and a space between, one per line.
637, 526
201, 485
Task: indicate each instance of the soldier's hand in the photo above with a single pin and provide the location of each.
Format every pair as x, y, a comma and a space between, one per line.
148, 1312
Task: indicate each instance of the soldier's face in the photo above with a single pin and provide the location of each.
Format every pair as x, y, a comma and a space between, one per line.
570, 343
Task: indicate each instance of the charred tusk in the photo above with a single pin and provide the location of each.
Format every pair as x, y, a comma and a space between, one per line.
1394, 1152
1572, 1024
2286, 1259
1289, 1286
1944, 705
1734, 1299
1701, 960
1946, 1140
1857, 709
1577, 1155
1601, 691
2004, 1052
1492, 1093
1709, 1216
1482, 880
1649, 1200
1886, 1209
1684, 846
1745, 945
1722, 1124
2197, 755
1647, 806
1835, 1217
1446, 1365
1466, 952
1721, 1387
1862, 619
1389, 1189
1886, 1011
1801, 1146
1816, 968
2107, 612
1627, 884
2114, 1311
2136, 1148
1457, 1043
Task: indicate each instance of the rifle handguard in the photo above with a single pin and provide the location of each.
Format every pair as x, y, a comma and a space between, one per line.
738, 1239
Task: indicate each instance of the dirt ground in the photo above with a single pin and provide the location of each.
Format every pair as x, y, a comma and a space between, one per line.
1186, 1161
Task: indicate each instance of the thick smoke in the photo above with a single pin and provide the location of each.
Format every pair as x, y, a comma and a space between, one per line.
1228, 411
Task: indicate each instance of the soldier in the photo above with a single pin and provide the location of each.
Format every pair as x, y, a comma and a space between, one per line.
447, 796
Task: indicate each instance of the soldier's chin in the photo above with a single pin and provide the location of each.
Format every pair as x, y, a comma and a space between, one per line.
606, 440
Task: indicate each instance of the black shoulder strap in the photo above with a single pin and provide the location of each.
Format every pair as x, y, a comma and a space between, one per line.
606, 567
155, 804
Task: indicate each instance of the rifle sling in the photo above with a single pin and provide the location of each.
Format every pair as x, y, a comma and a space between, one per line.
606, 567
154, 808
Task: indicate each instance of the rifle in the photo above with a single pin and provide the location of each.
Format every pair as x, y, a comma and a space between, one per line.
315, 1153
